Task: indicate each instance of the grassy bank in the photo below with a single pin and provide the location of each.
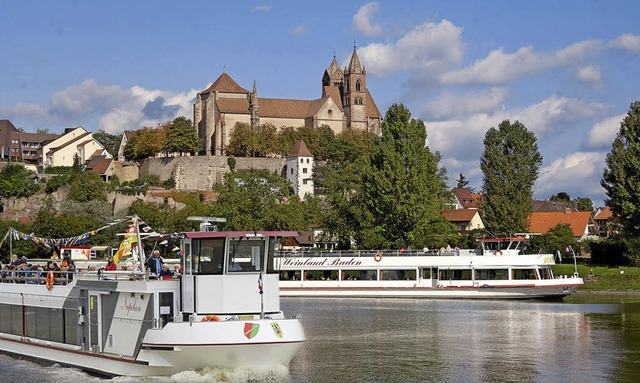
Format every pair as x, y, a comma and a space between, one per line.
602, 278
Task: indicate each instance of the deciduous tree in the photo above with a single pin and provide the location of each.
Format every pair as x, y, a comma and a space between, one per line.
621, 176
181, 137
509, 164
17, 181
404, 187
111, 142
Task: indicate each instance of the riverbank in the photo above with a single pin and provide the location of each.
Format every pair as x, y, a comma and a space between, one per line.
621, 280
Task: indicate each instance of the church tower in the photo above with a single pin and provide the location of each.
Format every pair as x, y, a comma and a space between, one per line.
254, 107
355, 94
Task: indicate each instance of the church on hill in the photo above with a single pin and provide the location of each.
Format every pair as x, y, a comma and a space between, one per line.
345, 103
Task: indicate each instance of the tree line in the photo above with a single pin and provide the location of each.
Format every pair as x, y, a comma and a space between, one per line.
390, 191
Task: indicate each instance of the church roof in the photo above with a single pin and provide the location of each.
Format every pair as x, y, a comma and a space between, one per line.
334, 67
333, 93
300, 150
372, 108
225, 84
354, 64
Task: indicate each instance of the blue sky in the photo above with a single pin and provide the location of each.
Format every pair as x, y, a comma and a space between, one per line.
567, 69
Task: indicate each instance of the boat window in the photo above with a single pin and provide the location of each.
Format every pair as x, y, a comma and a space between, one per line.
245, 255
429, 273
355, 275
494, 274
398, 275
524, 274
458, 275
321, 275
207, 256
546, 273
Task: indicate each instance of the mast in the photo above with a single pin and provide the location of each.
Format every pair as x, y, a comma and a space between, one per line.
139, 240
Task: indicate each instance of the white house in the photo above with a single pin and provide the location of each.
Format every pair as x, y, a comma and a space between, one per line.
74, 142
300, 169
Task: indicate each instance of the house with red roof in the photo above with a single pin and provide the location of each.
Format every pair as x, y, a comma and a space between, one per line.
464, 219
602, 219
581, 223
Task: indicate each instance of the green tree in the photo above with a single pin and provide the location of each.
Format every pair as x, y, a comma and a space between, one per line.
87, 186
583, 204
463, 183
404, 187
560, 197
257, 199
182, 137
111, 142
17, 181
56, 182
350, 145
242, 141
558, 238
509, 164
43, 131
621, 176
145, 143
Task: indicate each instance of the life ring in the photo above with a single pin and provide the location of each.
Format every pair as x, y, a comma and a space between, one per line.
50, 280
210, 318
499, 252
377, 257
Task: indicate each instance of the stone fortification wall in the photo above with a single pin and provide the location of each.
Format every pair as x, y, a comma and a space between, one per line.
126, 171
201, 172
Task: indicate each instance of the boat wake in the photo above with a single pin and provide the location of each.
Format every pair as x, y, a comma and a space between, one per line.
279, 374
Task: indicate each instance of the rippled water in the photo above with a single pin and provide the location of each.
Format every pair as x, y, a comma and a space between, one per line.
585, 339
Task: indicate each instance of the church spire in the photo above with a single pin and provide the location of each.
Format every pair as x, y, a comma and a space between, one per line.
254, 107
354, 64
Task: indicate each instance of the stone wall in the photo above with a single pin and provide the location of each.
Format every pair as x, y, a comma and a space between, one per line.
201, 172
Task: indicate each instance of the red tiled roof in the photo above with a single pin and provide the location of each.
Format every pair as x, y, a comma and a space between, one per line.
225, 84
300, 150
468, 199
604, 214
333, 93
542, 222
459, 215
372, 108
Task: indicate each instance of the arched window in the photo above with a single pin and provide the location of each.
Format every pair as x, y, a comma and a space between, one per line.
330, 113
347, 85
358, 85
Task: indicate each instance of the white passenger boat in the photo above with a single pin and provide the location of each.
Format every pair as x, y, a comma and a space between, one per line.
223, 311
499, 271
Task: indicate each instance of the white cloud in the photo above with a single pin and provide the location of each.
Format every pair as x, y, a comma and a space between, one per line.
547, 114
500, 67
261, 8
451, 104
300, 30
101, 106
428, 47
362, 20
590, 74
603, 133
628, 42
578, 174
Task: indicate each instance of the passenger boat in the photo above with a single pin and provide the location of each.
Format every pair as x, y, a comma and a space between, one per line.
497, 271
222, 311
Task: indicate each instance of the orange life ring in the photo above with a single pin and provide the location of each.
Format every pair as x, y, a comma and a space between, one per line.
210, 318
377, 257
50, 280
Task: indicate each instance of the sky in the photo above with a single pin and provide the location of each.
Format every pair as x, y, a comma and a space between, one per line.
568, 70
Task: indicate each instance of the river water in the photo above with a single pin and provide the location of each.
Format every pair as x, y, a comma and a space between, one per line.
582, 339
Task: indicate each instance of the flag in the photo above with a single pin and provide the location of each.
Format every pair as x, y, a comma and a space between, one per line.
125, 245
260, 283
568, 249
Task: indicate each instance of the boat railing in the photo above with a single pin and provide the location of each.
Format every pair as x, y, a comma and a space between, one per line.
372, 253
35, 277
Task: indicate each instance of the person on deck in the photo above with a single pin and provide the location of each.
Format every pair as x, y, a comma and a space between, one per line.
111, 265
154, 263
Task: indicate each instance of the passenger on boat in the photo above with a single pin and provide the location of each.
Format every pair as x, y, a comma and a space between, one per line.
15, 261
154, 264
111, 265
68, 266
166, 272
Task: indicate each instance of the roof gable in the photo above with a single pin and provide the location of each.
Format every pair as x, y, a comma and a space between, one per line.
542, 222
459, 215
300, 150
225, 84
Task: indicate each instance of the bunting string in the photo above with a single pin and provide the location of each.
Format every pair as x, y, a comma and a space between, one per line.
49, 242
